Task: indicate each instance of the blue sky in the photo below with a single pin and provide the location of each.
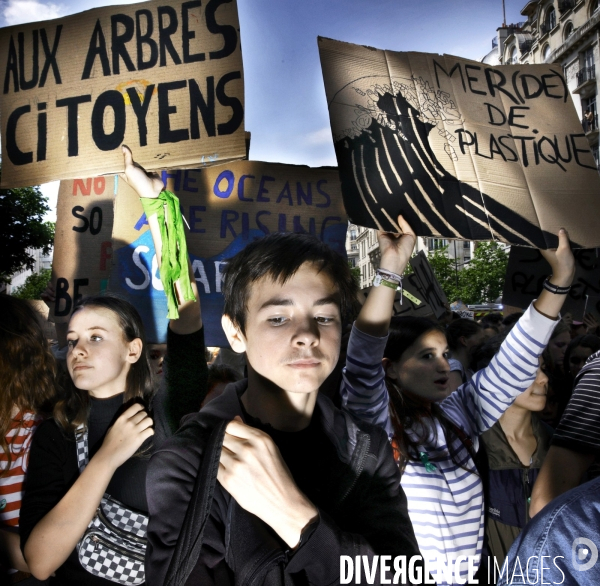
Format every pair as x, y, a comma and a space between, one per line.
286, 110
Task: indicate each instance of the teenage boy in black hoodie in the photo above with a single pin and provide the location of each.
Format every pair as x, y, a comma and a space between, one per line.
277, 483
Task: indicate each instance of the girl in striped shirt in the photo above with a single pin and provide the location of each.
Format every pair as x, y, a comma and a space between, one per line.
401, 384
27, 372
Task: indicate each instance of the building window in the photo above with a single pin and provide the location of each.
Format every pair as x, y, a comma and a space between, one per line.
353, 234
467, 259
352, 262
353, 246
594, 7
436, 243
466, 244
590, 116
568, 31
588, 57
551, 18
546, 53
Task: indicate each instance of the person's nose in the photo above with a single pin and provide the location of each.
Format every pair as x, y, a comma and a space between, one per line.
307, 332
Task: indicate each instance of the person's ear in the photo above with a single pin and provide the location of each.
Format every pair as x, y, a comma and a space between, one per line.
134, 350
390, 368
236, 339
463, 341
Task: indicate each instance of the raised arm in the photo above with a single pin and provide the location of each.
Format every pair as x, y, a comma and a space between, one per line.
363, 389
492, 390
184, 384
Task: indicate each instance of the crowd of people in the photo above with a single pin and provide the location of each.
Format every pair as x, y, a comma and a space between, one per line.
467, 442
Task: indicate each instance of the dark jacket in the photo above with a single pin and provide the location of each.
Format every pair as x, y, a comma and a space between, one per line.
509, 486
369, 517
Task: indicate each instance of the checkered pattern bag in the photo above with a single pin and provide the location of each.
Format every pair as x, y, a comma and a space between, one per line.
114, 544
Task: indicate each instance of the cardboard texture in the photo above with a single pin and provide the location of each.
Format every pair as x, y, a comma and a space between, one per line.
82, 242
527, 270
164, 78
226, 207
461, 149
428, 285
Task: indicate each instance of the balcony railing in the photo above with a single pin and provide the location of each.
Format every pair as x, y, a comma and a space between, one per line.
586, 74
565, 5
525, 46
544, 28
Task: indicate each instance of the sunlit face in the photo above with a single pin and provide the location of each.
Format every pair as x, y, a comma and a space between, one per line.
99, 357
577, 359
557, 347
293, 331
423, 369
534, 398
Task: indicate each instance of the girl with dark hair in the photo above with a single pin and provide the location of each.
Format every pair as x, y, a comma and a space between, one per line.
28, 374
401, 384
464, 335
108, 409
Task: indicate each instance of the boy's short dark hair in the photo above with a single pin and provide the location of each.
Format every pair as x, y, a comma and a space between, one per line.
279, 256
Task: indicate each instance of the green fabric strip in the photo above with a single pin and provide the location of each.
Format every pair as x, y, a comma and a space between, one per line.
174, 263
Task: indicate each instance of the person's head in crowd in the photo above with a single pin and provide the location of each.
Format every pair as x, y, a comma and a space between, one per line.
27, 368
285, 298
157, 353
494, 319
463, 336
578, 351
484, 353
107, 355
578, 328
489, 331
510, 320
415, 360
557, 346
534, 398
219, 376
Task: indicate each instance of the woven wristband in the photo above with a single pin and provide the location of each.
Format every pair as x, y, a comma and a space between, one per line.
174, 263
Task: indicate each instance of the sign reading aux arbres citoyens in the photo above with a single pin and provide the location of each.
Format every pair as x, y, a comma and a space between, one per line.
163, 77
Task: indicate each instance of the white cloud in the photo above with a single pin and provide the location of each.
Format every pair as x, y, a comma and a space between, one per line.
22, 11
321, 136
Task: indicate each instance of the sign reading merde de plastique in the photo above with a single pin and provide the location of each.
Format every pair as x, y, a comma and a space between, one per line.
164, 78
462, 149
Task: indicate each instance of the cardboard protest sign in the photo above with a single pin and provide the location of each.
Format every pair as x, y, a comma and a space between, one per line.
462, 149
226, 207
428, 286
164, 78
82, 241
527, 270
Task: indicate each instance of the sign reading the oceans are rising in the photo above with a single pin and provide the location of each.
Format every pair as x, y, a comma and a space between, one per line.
163, 77
226, 207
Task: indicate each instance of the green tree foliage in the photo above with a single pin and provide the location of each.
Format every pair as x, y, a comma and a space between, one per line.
34, 286
483, 277
446, 272
21, 227
479, 281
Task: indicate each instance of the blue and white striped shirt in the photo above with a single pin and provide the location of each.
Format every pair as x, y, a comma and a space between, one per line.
446, 506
